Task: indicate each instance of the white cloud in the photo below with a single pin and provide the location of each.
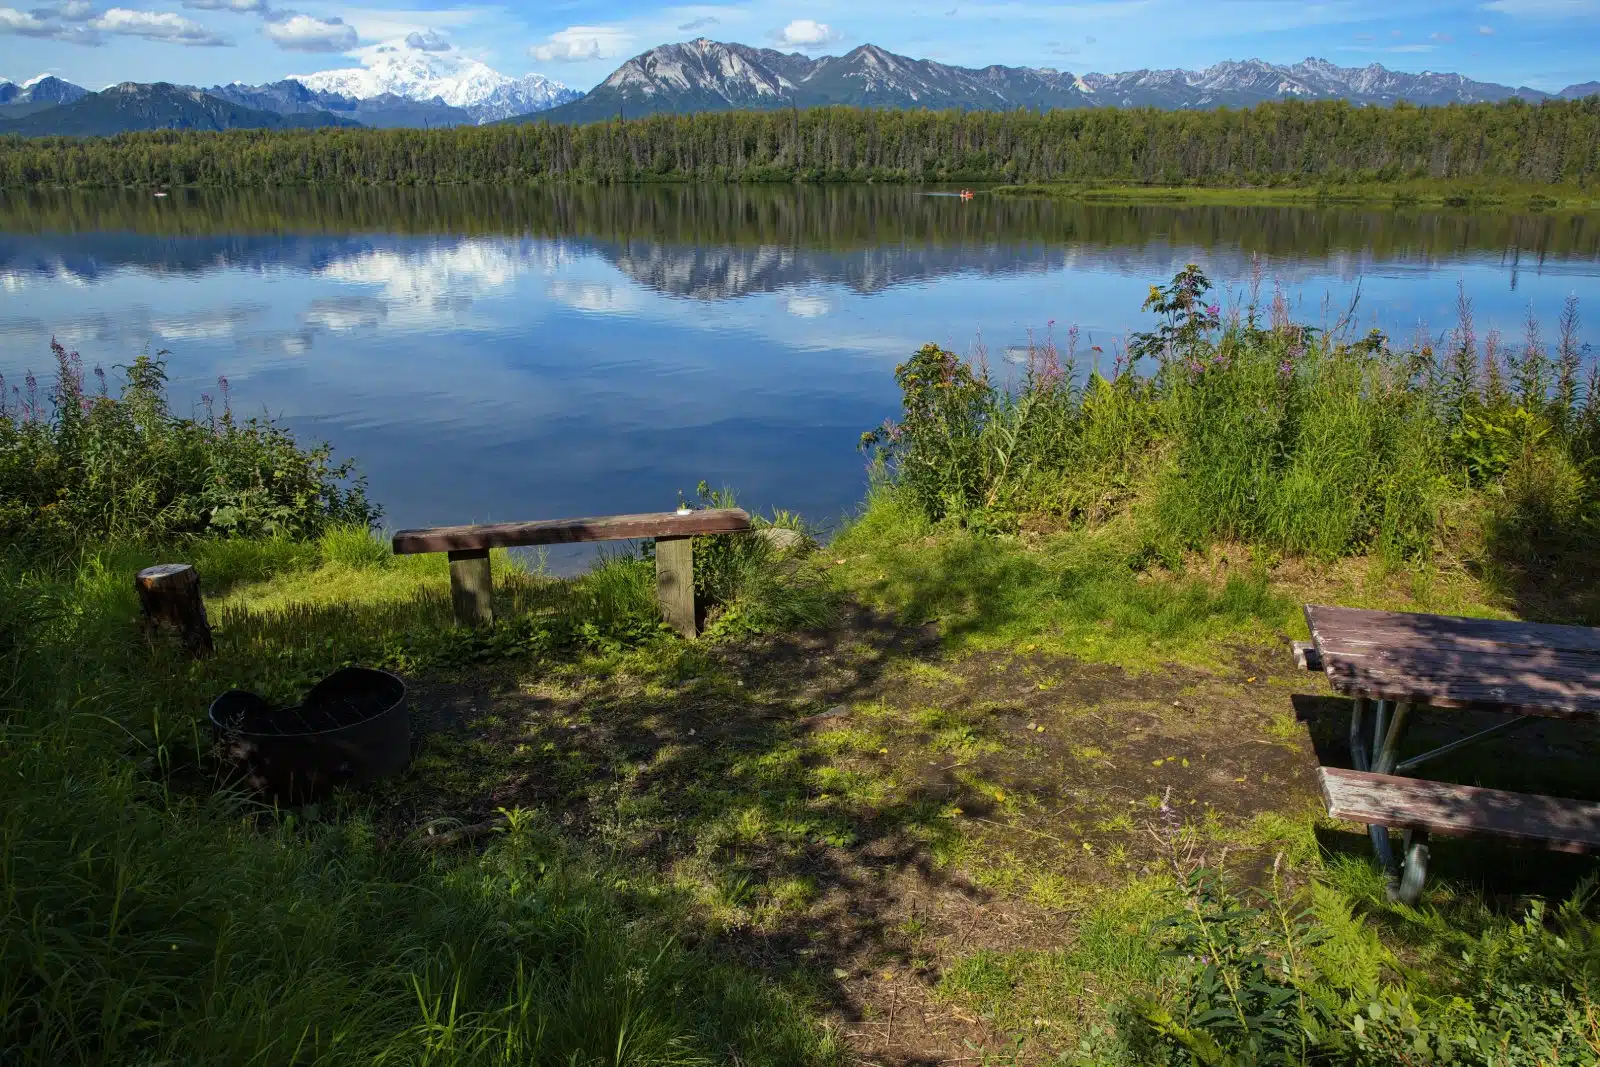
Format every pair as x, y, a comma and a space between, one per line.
576, 44
70, 11
29, 24
1443, 38
1487, 31
156, 26
808, 307
807, 33
601, 297
295, 32
699, 23
243, 7
428, 41
20, 22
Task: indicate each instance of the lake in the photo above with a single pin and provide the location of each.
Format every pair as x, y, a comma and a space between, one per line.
491, 354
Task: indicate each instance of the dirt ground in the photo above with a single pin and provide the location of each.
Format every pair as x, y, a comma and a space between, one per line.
865, 811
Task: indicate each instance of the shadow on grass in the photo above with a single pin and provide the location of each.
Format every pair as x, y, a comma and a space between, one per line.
189, 926
789, 839
777, 839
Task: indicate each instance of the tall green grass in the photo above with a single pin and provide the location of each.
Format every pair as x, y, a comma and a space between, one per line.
149, 916
146, 917
1246, 426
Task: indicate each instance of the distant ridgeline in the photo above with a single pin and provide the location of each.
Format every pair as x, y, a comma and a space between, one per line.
1297, 143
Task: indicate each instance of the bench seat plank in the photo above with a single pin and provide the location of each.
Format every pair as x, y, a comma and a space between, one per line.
1461, 810
565, 531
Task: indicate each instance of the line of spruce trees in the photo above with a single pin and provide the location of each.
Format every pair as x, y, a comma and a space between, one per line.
1289, 142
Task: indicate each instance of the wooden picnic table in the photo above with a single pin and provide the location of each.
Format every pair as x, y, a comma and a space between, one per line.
1399, 660
1522, 668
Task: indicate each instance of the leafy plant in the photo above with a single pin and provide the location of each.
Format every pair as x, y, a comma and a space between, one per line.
79, 466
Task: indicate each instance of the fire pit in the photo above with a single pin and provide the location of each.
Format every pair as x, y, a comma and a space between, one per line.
351, 728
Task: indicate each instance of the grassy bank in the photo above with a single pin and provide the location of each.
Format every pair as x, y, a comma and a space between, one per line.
1474, 196
1013, 770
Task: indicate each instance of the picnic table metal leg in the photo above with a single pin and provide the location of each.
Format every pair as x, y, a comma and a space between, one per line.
1387, 733
1415, 872
1406, 873
1389, 754
1358, 739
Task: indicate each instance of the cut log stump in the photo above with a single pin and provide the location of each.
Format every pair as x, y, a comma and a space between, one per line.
169, 595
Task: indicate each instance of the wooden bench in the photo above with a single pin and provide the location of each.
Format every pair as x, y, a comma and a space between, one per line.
471, 585
1422, 807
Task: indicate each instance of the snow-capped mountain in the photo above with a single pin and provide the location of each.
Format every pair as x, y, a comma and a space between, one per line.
44, 89
1251, 81
453, 79
705, 75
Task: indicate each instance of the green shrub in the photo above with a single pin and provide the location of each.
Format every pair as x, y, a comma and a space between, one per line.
78, 467
1276, 982
1220, 428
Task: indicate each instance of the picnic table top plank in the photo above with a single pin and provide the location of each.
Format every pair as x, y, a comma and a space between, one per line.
1433, 628
1461, 811
566, 531
1451, 662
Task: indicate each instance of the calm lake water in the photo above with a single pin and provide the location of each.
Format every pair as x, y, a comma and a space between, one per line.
490, 354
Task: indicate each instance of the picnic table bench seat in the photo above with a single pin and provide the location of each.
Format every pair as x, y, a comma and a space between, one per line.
1419, 804
1421, 808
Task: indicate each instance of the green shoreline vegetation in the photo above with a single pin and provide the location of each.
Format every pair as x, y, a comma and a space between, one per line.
693, 863
1319, 144
1478, 197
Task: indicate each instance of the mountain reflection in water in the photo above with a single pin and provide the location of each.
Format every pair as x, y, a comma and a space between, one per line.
494, 353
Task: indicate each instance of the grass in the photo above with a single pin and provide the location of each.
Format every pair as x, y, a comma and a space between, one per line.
224, 932
1013, 768
1075, 593
678, 819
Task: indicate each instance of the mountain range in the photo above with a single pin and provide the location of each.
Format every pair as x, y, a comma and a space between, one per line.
704, 75
426, 85
159, 106
396, 85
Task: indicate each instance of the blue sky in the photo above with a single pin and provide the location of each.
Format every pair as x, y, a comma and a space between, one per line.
1546, 44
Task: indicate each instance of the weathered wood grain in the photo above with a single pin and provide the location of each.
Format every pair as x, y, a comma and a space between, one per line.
1449, 662
675, 583
471, 587
1461, 811
564, 531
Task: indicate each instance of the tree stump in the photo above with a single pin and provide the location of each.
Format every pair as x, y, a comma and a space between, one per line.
169, 595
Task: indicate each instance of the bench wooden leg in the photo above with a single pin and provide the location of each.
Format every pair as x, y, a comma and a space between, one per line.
471, 587
675, 582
